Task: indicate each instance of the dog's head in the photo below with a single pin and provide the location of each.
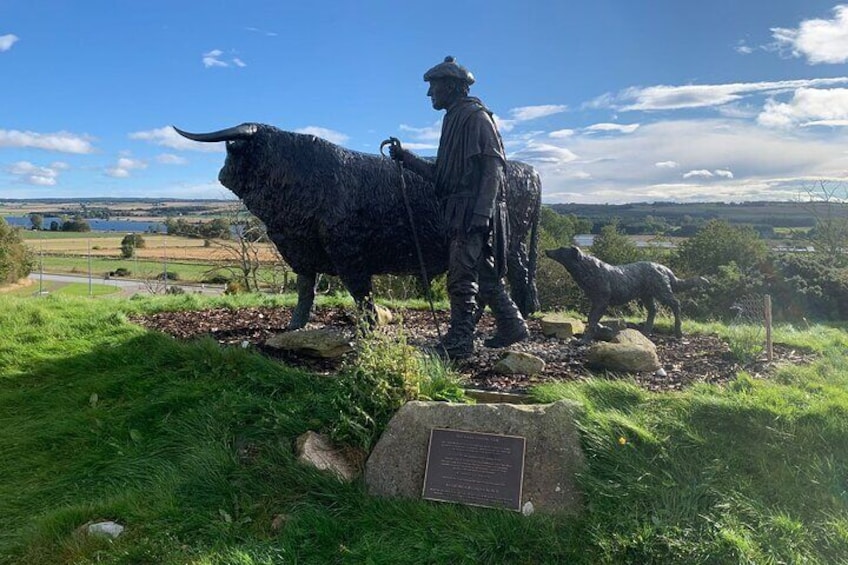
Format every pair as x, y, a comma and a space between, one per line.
565, 256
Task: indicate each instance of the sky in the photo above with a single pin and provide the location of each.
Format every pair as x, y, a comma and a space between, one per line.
613, 101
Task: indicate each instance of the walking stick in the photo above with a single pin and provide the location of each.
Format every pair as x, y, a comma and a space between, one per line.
395, 142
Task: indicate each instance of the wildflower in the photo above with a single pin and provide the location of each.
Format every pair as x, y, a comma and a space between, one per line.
622, 441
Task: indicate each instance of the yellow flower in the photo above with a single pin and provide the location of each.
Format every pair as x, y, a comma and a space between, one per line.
622, 440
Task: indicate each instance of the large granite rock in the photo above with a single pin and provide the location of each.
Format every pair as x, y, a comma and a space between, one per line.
321, 342
629, 351
553, 456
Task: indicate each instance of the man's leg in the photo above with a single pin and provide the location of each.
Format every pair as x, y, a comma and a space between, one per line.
465, 253
510, 327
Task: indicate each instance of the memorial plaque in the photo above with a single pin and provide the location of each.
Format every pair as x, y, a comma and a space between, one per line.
474, 468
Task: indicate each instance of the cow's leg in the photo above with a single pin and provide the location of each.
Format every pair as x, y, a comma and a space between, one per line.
305, 299
359, 287
518, 275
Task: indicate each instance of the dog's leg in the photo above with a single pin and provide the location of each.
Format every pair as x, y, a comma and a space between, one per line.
649, 305
595, 313
670, 301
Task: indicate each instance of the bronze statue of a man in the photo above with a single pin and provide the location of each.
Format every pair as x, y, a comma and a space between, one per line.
469, 179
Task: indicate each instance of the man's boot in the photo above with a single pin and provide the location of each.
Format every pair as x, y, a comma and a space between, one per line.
509, 325
458, 343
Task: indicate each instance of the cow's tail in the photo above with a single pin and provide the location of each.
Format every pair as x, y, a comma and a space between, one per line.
533, 255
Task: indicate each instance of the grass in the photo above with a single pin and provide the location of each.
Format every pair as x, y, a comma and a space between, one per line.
70, 289
188, 444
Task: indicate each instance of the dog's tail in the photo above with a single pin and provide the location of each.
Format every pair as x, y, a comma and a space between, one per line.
688, 284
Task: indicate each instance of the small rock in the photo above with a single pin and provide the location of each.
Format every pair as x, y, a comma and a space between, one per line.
279, 521
107, 529
322, 342
630, 352
527, 509
561, 326
661, 372
316, 450
519, 363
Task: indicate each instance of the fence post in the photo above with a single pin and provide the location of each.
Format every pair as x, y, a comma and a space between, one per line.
767, 320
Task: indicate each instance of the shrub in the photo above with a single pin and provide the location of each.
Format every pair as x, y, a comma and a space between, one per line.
168, 275
385, 374
217, 279
16, 261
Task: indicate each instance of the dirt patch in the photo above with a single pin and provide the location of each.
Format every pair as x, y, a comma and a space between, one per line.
23, 283
694, 358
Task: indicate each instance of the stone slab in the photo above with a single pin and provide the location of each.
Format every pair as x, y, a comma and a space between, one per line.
553, 456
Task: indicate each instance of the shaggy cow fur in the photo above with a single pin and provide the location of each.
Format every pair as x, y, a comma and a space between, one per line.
609, 285
340, 212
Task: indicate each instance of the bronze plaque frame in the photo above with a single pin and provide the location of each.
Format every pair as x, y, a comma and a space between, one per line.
475, 468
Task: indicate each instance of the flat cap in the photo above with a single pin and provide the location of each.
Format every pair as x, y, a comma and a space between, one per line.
449, 68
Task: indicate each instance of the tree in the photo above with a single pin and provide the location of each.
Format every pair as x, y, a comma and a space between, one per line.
828, 203
718, 244
130, 243
248, 256
614, 247
76, 224
54, 225
16, 261
37, 221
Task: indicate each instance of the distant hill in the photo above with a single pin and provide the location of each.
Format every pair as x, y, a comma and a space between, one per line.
774, 214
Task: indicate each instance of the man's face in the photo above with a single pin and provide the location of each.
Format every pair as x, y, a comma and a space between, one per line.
441, 93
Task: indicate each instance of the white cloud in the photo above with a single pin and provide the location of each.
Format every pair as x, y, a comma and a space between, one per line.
700, 173
817, 40
607, 127
743, 49
6, 41
214, 58
262, 31
561, 133
171, 159
36, 175
526, 113
62, 141
536, 152
808, 106
649, 164
124, 167
167, 137
666, 97
328, 134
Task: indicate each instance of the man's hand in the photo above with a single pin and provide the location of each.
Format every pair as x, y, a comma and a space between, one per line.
396, 152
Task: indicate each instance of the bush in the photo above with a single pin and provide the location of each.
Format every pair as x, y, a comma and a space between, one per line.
385, 374
217, 279
130, 243
168, 275
16, 261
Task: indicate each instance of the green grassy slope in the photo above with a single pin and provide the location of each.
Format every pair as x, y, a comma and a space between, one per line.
189, 446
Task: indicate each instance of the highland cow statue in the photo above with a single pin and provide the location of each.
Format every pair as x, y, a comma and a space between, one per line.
340, 212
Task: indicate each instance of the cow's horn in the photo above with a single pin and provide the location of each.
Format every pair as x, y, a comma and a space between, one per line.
243, 131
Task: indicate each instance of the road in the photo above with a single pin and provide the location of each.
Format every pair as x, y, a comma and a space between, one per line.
130, 286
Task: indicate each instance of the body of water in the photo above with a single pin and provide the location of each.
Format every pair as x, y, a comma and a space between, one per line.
122, 226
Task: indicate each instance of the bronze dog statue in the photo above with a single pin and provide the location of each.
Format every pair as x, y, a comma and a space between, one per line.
609, 285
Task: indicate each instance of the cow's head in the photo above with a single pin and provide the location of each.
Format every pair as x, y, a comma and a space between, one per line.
247, 155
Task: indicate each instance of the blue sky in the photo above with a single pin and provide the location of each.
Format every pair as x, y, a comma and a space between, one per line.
612, 100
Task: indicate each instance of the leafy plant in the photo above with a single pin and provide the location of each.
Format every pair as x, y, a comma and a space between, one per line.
385, 374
